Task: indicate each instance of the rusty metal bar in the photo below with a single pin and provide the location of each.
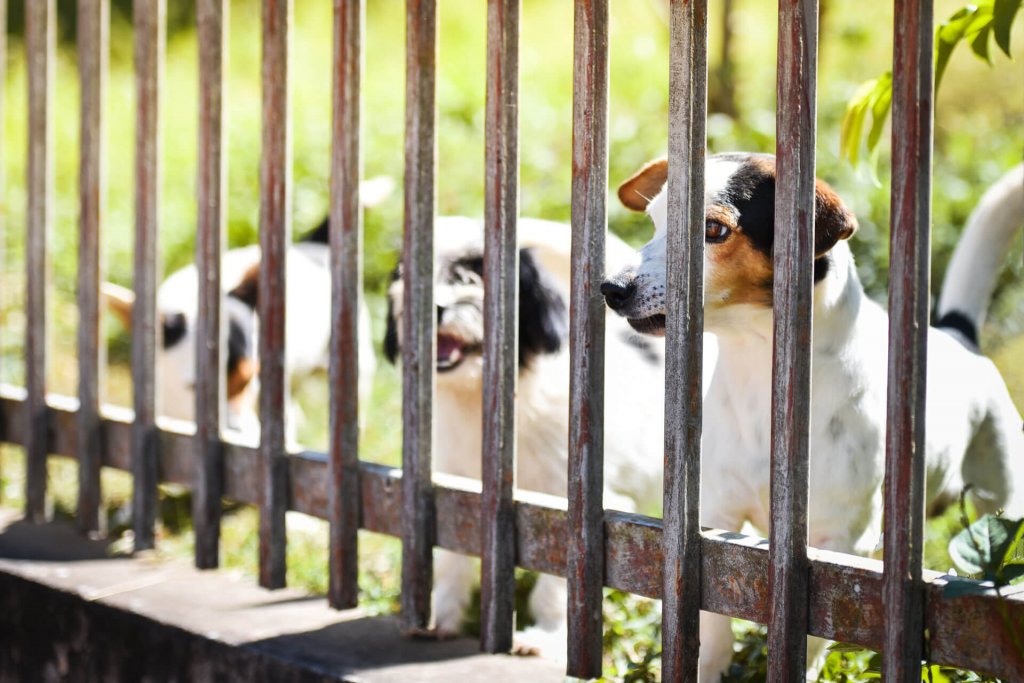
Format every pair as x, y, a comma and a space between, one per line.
586, 337
684, 344
93, 27
346, 236
909, 243
968, 632
791, 366
501, 287
149, 20
40, 55
211, 328
418, 335
3, 175
275, 235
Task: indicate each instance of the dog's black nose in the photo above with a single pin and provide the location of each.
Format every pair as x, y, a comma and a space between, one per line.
616, 294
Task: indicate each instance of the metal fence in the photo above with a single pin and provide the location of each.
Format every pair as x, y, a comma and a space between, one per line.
898, 608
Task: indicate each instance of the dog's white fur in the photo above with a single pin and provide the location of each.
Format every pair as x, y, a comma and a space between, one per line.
307, 334
633, 441
973, 428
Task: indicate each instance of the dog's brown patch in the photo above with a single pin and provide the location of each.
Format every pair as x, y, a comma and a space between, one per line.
240, 376
739, 272
637, 192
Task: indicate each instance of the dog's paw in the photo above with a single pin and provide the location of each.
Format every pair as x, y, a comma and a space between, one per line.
537, 642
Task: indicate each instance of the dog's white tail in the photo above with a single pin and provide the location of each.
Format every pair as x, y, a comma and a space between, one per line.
979, 256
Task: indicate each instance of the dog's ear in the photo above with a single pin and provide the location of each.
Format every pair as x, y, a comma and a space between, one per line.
248, 288
120, 301
242, 364
543, 321
637, 192
391, 329
832, 220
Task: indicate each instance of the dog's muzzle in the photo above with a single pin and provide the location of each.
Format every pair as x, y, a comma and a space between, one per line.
620, 298
617, 295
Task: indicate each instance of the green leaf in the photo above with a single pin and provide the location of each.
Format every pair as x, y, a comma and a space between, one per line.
982, 547
960, 587
880, 108
1012, 572
980, 43
1003, 12
949, 33
853, 121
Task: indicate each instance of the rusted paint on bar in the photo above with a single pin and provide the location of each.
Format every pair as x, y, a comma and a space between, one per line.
149, 20
791, 367
586, 337
211, 327
40, 56
93, 23
418, 335
910, 224
275, 235
346, 236
684, 344
845, 591
501, 286
3, 175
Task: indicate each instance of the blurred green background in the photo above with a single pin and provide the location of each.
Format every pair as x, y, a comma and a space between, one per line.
979, 133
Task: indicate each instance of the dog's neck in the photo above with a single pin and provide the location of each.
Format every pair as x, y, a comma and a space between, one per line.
838, 296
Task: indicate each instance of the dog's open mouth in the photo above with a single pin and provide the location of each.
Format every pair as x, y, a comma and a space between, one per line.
653, 325
451, 351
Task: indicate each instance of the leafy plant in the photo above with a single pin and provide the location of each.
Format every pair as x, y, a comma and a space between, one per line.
976, 24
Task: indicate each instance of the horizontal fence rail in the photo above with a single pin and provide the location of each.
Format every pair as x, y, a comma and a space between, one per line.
844, 594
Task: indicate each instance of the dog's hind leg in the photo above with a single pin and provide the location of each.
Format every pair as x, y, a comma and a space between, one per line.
455, 575
548, 636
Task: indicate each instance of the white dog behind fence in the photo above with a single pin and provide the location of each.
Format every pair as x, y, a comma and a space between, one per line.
634, 380
973, 429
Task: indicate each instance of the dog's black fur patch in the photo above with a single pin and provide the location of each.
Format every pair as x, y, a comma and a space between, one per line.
543, 318
644, 346
955, 320
175, 326
241, 332
320, 234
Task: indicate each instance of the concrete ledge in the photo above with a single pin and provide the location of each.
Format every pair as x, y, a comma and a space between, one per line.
68, 612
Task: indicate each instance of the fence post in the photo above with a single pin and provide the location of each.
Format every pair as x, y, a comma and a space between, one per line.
275, 238
909, 240
418, 317
93, 23
346, 239
791, 362
40, 21
684, 344
501, 286
211, 327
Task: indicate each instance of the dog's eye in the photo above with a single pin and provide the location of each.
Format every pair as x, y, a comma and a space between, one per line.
715, 232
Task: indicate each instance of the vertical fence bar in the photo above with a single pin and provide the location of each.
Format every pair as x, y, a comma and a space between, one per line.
149, 19
585, 568
3, 176
910, 226
40, 19
418, 335
346, 236
93, 22
501, 284
275, 235
211, 190
688, 69
791, 366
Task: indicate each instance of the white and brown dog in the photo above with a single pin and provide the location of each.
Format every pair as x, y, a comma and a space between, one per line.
633, 442
307, 337
973, 428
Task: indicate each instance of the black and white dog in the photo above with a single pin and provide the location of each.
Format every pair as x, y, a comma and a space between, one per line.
633, 432
308, 333
973, 429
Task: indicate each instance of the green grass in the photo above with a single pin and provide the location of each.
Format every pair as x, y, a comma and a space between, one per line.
979, 133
